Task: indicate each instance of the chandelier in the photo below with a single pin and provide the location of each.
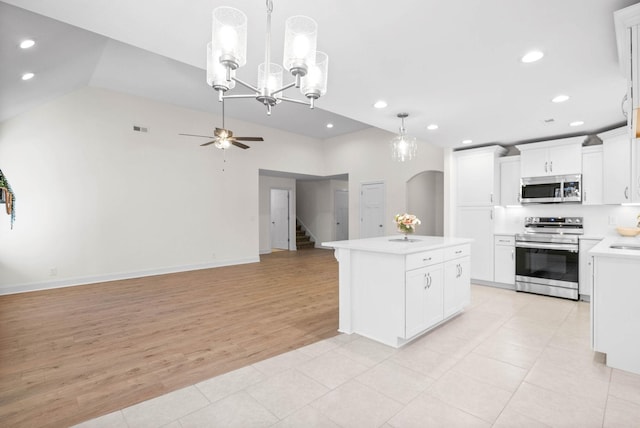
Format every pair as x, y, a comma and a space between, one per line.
403, 146
227, 52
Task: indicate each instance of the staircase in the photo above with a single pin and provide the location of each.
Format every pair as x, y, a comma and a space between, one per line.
302, 240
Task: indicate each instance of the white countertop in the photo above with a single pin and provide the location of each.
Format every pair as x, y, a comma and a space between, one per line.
603, 247
385, 244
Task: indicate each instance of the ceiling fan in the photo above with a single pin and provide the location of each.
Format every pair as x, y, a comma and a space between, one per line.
223, 138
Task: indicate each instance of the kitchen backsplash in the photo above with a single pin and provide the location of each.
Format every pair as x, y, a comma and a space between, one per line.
599, 220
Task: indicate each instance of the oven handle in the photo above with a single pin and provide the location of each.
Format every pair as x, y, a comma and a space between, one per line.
548, 246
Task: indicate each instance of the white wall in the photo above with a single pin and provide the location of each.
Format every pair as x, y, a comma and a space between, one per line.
366, 156
316, 207
96, 201
266, 184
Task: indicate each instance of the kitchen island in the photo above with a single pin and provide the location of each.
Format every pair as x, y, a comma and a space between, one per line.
615, 314
393, 290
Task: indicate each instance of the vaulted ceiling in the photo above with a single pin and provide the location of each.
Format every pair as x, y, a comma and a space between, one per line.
456, 64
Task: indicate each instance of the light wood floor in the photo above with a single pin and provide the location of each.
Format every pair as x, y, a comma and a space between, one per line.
68, 355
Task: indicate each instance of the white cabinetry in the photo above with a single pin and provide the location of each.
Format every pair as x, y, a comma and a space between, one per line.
585, 262
614, 311
505, 259
424, 294
627, 24
616, 164
509, 180
554, 157
592, 181
477, 181
394, 291
457, 276
477, 223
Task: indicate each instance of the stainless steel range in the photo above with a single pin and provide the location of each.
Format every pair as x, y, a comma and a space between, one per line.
547, 256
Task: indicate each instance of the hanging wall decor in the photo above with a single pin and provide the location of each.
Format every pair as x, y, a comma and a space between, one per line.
8, 197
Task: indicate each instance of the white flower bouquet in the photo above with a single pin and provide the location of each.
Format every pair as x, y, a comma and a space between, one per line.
406, 223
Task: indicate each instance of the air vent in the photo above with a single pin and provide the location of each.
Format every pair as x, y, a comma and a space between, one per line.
140, 128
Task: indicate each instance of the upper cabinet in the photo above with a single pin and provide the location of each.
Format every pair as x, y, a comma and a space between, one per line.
627, 22
555, 157
477, 176
509, 180
592, 180
616, 162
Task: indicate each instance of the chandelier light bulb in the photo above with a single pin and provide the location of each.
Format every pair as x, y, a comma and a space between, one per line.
228, 38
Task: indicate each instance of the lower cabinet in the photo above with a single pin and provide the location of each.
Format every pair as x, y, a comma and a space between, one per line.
438, 291
505, 260
424, 290
457, 293
585, 261
477, 223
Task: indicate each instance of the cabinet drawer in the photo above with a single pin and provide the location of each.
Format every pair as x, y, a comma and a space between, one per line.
456, 252
505, 240
425, 258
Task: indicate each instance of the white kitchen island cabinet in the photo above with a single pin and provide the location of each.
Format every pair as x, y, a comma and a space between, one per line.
615, 318
393, 291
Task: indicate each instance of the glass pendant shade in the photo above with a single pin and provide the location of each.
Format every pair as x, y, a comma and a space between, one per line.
229, 36
268, 84
314, 83
300, 41
216, 72
404, 148
222, 143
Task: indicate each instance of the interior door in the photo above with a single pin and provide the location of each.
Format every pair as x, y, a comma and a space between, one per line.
372, 210
341, 207
280, 219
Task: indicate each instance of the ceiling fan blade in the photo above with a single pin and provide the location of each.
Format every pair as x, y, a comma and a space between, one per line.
248, 138
237, 144
194, 135
206, 144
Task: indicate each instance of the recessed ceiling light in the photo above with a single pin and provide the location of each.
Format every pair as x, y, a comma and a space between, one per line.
467, 141
576, 123
380, 104
329, 125
432, 127
532, 56
26, 44
27, 76
560, 99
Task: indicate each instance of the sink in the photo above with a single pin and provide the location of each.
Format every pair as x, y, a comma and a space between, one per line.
625, 246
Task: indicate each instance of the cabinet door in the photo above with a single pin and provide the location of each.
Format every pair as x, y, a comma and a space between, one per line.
510, 180
457, 292
423, 299
505, 264
592, 182
617, 169
534, 163
477, 223
585, 279
635, 170
565, 159
475, 179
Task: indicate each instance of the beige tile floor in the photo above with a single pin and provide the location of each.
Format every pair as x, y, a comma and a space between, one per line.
510, 360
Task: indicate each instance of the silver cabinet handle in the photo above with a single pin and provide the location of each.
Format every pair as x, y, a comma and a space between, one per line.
458, 252
491, 214
491, 197
428, 281
512, 254
626, 192
425, 281
545, 167
551, 166
428, 259
584, 196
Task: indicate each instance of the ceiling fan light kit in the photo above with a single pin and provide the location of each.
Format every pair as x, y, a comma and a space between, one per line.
227, 52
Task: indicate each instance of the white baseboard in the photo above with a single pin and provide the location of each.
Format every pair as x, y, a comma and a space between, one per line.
72, 282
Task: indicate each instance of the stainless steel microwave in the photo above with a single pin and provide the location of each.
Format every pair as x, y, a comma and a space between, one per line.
551, 189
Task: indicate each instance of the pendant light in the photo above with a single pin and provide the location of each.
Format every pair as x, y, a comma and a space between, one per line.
404, 147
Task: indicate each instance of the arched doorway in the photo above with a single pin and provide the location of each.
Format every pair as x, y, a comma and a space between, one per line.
425, 199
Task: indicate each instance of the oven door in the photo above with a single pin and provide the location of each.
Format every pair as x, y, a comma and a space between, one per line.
551, 264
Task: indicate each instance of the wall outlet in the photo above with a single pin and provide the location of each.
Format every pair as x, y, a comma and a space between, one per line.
612, 220
53, 271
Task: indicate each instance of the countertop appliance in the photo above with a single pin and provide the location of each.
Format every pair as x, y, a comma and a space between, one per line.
550, 189
547, 256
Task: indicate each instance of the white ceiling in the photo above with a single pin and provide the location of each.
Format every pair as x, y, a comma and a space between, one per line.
454, 63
